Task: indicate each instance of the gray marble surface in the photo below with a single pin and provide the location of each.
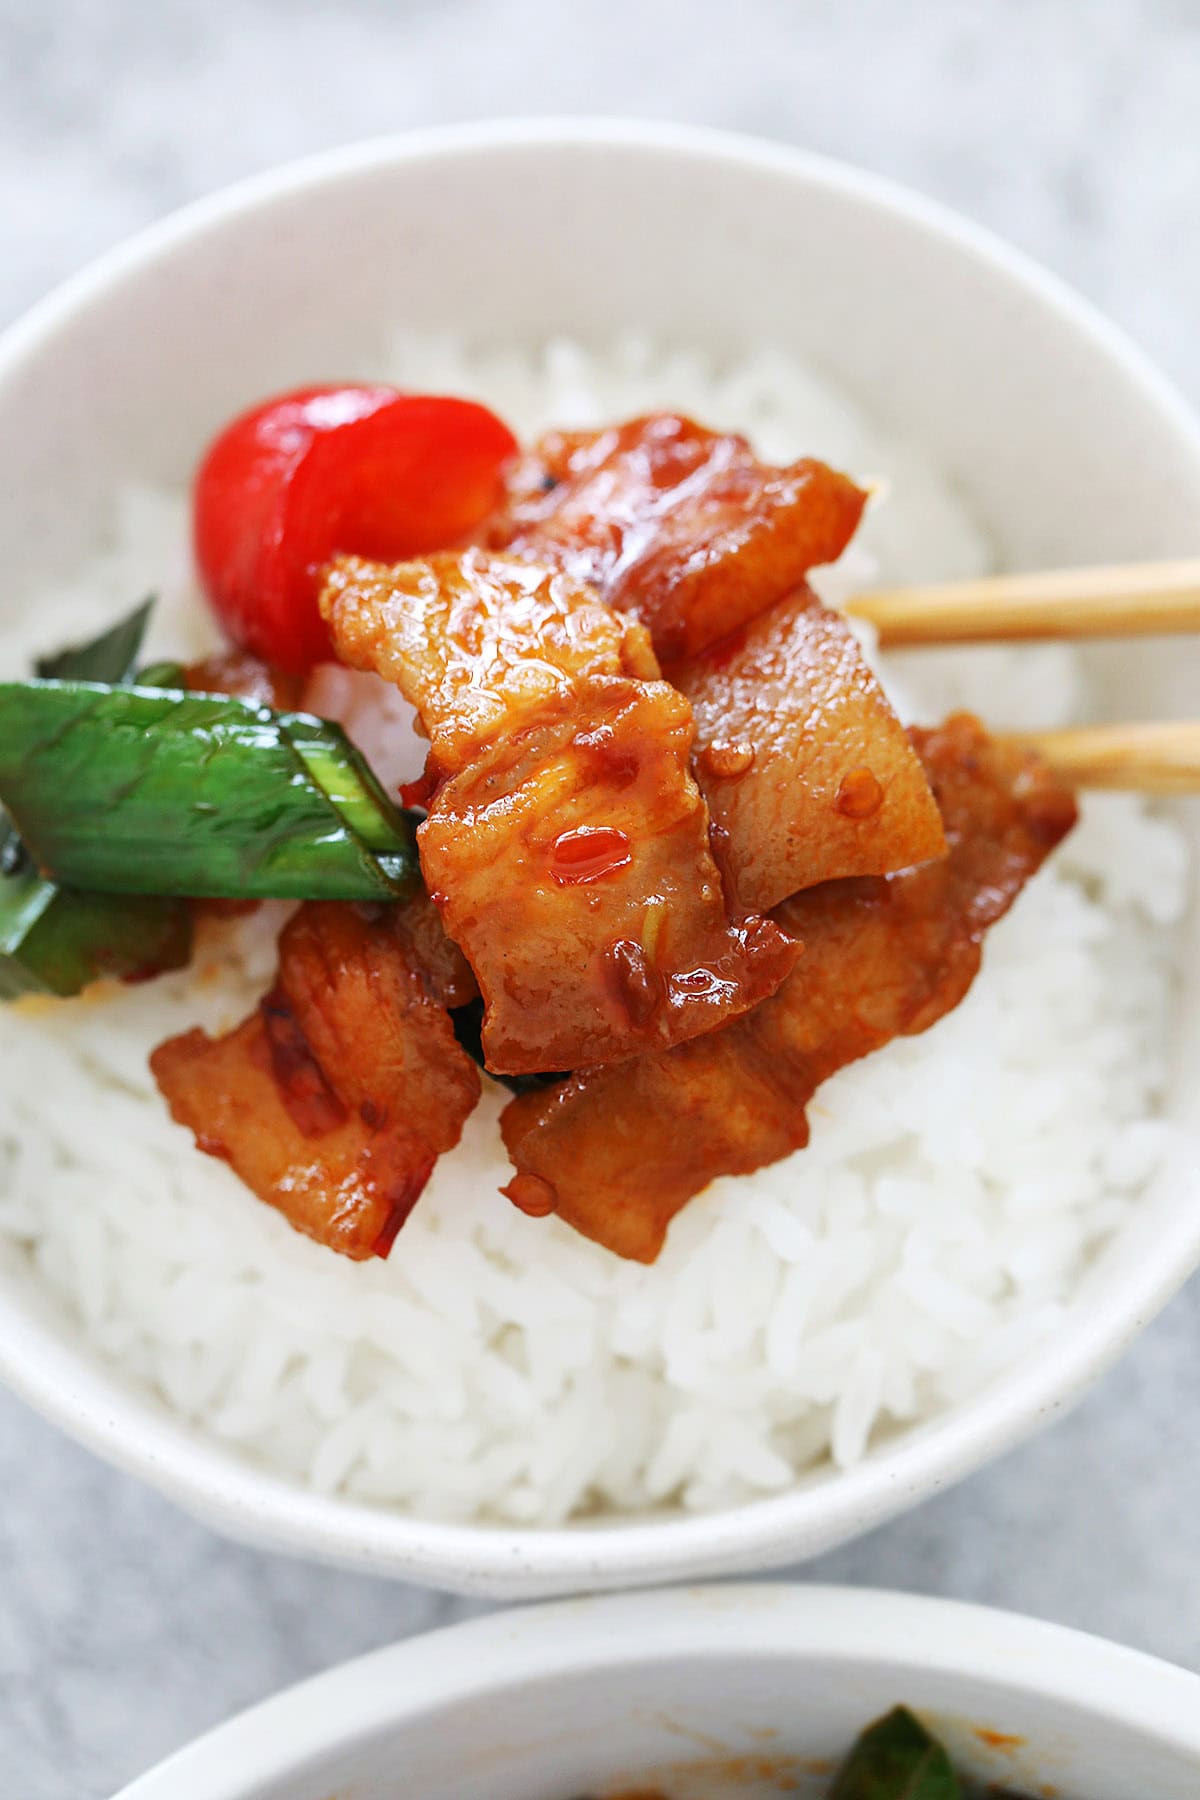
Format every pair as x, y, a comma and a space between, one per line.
124, 1627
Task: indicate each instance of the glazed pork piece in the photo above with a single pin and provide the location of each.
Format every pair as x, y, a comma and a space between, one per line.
616, 1152
682, 528
483, 646
808, 774
334, 1099
566, 843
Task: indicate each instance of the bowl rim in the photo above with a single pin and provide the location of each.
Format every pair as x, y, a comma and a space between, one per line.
480, 1658
54, 1373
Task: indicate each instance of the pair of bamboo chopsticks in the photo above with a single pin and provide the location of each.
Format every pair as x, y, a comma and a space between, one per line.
1138, 600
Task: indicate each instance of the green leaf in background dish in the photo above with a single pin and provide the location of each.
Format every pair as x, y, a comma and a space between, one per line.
897, 1759
131, 790
54, 940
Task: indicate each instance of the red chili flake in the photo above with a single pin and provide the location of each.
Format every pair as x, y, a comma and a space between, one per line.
403, 1196
418, 792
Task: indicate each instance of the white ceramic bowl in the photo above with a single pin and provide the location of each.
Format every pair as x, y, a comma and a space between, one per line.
722, 1691
1070, 449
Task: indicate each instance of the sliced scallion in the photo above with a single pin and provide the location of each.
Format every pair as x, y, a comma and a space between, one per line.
56, 940
134, 790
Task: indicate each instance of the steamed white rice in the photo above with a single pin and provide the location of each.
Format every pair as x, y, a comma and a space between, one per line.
955, 1190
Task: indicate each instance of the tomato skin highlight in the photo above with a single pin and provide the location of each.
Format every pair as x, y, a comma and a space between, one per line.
307, 474
239, 507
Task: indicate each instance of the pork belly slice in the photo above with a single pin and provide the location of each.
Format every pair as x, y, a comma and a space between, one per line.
682, 528
808, 774
566, 844
481, 645
616, 1152
574, 868
334, 1099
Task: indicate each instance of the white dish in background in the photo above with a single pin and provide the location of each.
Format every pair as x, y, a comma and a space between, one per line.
1069, 450
596, 1696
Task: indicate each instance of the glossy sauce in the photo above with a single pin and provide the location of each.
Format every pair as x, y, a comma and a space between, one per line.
723, 761
532, 1195
589, 853
637, 983
859, 795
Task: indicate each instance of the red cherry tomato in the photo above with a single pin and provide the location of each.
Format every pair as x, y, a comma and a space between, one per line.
326, 469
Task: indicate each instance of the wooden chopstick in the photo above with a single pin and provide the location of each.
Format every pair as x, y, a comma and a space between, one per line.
1133, 600
1150, 759
1129, 600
